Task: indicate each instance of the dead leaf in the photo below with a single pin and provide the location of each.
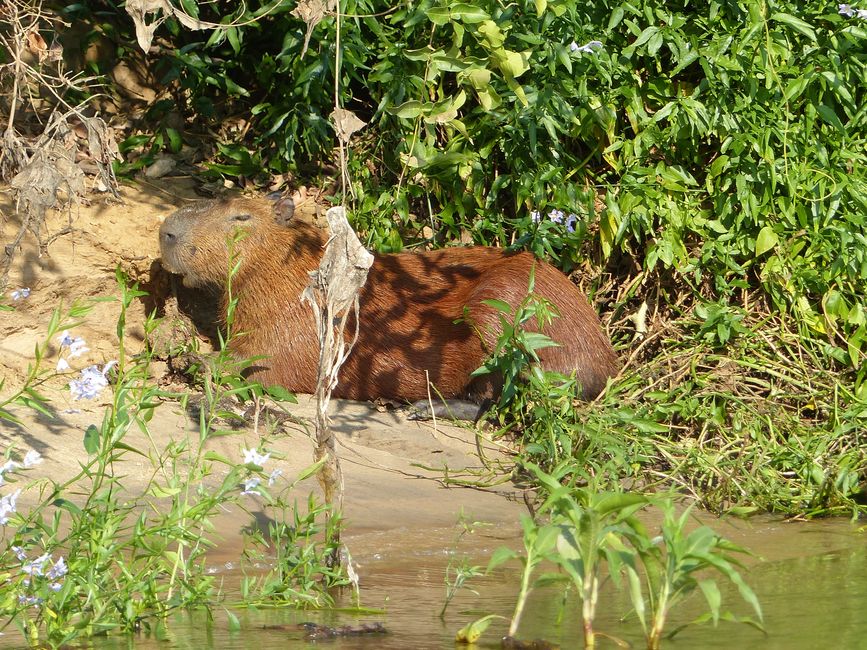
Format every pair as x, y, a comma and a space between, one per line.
37, 45
312, 12
144, 30
346, 123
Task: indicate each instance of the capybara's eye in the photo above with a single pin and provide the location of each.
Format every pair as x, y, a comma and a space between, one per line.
242, 217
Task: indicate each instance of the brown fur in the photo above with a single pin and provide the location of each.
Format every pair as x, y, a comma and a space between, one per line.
408, 307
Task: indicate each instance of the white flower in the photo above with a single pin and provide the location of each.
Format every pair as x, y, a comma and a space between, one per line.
556, 216
845, 10
64, 339
8, 466
55, 586
19, 553
253, 456
862, 13
535, 217
31, 459
587, 48
18, 294
62, 365
272, 478
91, 382
7, 506
250, 485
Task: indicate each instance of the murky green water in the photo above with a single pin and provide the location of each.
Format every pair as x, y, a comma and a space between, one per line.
811, 579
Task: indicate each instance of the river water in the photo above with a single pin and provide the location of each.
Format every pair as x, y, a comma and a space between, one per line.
810, 577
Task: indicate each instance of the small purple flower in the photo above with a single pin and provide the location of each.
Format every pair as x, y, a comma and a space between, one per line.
19, 553
65, 340
272, 478
587, 48
846, 10
91, 382
57, 570
37, 567
250, 485
571, 222
28, 601
556, 216
20, 294
55, 586
535, 217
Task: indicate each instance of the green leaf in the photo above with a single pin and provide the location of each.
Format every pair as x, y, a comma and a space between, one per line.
281, 394
830, 116
91, 439
439, 15
311, 470
795, 23
500, 305
163, 492
766, 240
500, 556
468, 13
408, 110
712, 596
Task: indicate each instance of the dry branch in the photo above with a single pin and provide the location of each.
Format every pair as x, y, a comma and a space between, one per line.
333, 296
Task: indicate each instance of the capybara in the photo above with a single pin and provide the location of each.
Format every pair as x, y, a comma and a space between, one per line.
421, 314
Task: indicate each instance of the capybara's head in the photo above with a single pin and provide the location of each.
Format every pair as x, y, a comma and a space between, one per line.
195, 241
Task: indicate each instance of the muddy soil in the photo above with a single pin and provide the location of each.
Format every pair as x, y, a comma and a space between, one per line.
384, 456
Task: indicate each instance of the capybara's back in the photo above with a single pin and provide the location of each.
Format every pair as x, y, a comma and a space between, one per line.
421, 314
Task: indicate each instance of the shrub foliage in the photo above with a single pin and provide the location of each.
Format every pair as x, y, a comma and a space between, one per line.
710, 157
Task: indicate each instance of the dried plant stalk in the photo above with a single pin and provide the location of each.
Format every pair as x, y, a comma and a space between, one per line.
333, 296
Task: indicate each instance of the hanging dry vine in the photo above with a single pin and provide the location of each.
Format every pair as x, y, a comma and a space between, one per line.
333, 296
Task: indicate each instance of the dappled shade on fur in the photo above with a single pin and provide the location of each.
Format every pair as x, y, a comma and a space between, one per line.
409, 307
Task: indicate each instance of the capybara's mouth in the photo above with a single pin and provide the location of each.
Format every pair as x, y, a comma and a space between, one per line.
168, 264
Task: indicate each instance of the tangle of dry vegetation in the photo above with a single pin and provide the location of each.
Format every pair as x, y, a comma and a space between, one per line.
50, 137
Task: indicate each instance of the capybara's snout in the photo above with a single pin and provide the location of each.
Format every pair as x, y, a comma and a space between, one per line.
171, 234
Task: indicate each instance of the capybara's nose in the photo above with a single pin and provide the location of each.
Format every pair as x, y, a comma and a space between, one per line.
167, 237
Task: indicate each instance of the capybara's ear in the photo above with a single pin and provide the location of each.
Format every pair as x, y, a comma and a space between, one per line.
284, 207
